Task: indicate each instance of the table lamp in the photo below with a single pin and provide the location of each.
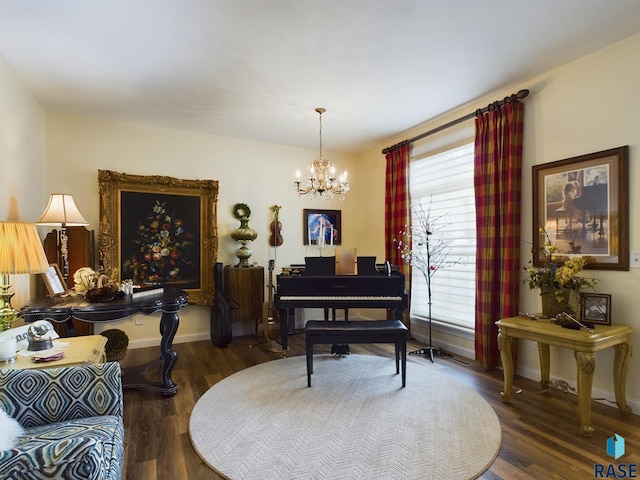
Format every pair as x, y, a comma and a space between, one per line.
21, 252
62, 212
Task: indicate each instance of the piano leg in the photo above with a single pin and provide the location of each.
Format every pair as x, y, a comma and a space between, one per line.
287, 318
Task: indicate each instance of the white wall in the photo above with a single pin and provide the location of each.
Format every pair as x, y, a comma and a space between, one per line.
21, 153
586, 106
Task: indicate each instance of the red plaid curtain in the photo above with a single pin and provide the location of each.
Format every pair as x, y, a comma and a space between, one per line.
397, 208
498, 169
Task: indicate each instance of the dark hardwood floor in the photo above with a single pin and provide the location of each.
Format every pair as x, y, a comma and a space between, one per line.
541, 437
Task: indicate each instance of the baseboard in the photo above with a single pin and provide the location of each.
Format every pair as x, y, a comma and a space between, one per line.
439, 333
154, 342
604, 397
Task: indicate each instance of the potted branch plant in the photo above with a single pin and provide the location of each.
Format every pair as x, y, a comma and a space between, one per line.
428, 255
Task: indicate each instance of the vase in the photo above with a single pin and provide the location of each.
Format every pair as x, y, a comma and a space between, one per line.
555, 302
243, 234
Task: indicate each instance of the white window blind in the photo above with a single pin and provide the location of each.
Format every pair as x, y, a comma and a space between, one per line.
443, 184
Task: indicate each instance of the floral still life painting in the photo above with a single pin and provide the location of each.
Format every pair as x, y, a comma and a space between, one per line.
162, 247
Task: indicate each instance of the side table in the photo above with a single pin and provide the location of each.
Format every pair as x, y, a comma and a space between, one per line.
584, 345
239, 296
244, 289
77, 351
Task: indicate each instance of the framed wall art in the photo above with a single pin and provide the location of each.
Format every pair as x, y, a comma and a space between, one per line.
583, 205
322, 227
54, 281
596, 308
158, 229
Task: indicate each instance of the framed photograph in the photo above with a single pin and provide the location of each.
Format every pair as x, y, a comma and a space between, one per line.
157, 229
596, 308
54, 281
322, 227
583, 205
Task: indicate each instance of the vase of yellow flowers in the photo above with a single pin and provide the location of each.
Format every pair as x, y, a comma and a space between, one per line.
559, 283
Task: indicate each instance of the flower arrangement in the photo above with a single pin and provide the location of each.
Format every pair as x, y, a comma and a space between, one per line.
85, 279
556, 278
95, 286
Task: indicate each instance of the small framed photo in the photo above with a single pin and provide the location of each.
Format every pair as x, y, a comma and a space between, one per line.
596, 308
54, 280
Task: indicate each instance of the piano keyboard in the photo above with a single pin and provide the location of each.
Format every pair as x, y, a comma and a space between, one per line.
293, 298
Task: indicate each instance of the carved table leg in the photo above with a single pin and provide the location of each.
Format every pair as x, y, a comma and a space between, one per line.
586, 363
136, 377
504, 344
169, 323
545, 364
620, 365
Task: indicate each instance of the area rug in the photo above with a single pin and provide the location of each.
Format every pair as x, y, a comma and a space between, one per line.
355, 422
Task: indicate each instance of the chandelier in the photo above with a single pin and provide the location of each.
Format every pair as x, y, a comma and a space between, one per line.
322, 181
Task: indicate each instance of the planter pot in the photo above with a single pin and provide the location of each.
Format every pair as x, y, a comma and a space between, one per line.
553, 304
116, 357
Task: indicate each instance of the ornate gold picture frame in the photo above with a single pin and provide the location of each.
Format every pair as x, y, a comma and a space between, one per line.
159, 229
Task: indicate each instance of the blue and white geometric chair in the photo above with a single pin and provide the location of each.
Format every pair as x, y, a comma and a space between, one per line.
72, 417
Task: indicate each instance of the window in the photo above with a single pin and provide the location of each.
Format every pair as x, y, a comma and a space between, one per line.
443, 184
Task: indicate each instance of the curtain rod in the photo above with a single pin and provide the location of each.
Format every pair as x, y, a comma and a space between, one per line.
511, 98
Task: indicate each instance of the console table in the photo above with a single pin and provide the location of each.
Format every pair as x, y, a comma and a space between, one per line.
584, 345
61, 309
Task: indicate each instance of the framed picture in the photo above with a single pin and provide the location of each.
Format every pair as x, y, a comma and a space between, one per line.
596, 308
157, 229
54, 281
583, 205
322, 227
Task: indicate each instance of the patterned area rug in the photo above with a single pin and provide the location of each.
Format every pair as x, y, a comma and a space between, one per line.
355, 422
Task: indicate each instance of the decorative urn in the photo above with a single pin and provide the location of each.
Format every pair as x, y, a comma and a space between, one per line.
244, 233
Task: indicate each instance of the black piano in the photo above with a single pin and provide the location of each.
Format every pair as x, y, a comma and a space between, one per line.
593, 204
315, 285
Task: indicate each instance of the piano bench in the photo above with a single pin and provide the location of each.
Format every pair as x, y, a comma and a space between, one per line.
373, 331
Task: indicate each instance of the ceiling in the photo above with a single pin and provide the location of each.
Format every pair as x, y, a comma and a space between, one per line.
257, 69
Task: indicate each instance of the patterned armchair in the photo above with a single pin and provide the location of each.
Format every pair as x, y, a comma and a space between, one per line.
72, 418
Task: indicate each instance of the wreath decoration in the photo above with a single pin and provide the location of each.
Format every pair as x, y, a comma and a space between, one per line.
241, 211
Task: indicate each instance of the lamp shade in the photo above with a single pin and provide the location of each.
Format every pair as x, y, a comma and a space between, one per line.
61, 211
21, 250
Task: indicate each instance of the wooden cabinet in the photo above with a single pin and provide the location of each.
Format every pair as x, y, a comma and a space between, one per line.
244, 290
81, 253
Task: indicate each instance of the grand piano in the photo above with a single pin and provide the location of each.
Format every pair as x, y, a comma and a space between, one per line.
593, 204
316, 285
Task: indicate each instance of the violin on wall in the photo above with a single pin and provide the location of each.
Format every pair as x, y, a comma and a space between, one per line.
275, 240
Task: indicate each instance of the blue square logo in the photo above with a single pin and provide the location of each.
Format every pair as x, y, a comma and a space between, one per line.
615, 446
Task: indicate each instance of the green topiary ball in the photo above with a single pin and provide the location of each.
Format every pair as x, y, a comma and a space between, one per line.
117, 342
